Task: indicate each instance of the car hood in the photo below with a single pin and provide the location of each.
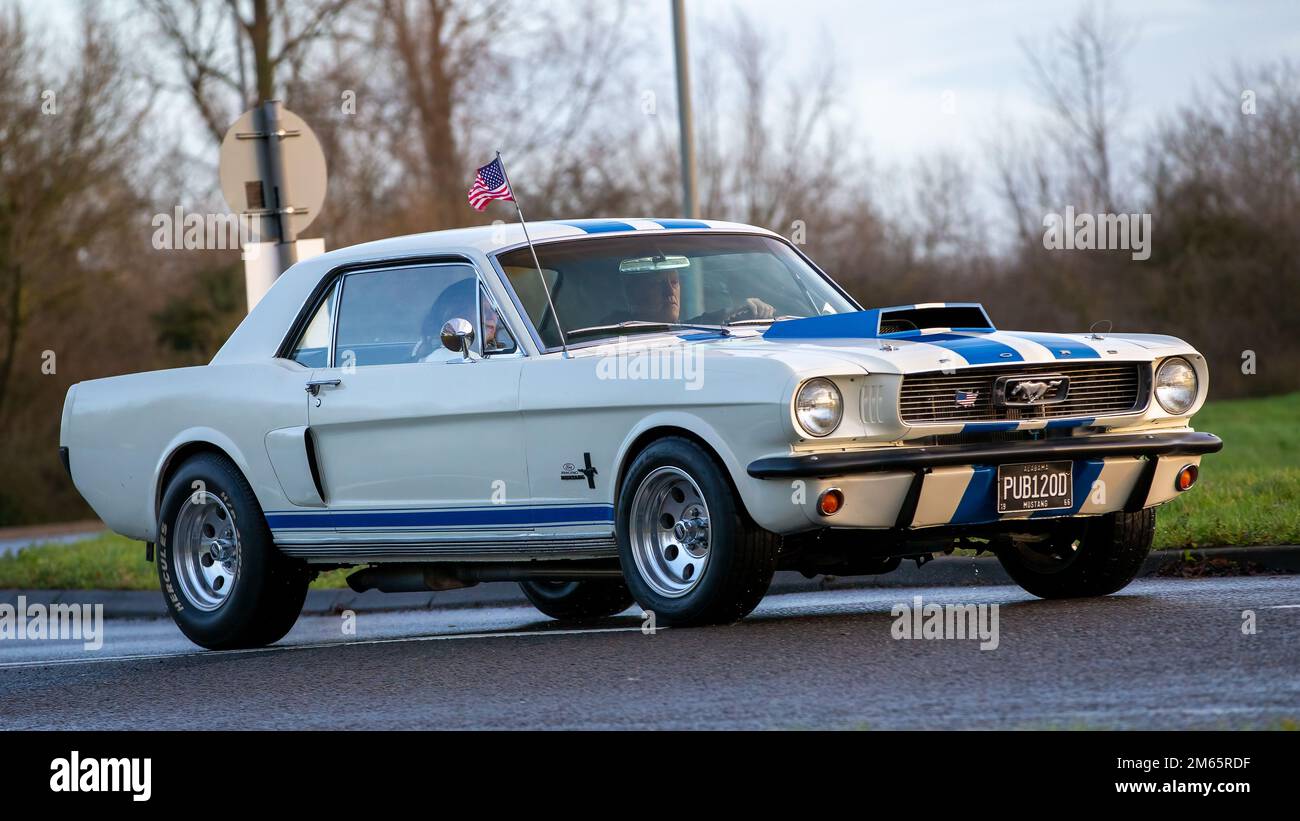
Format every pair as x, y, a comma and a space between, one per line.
956, 350
855, 341
856, 338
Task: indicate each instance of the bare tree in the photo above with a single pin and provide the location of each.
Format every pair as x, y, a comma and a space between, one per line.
68, 140
1225, 185
217, 45
1077, 72
438, 47
1024, 181
769, 155
492, 75
1243, 131
941, 217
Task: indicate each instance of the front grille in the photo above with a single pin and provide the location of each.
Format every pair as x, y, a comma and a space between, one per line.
981, 437
1095, 390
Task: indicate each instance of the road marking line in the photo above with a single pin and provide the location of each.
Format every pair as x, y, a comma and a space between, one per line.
1282, 606
316, 646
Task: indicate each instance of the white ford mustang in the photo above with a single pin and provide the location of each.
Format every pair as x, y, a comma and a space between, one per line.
667, 411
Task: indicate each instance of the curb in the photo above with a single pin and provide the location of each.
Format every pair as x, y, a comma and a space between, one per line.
949, 571
14, 539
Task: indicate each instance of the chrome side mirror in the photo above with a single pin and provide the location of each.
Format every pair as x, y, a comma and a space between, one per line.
458, 337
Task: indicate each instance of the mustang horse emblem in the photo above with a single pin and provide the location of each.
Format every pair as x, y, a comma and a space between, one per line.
1033, 391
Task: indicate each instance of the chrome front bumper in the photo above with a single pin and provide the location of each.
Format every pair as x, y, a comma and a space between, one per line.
929, 486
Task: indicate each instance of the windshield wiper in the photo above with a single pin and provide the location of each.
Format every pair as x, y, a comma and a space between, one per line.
761, 321
638, 326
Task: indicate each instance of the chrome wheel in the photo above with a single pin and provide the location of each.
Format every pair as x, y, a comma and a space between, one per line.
668, 530
206, 550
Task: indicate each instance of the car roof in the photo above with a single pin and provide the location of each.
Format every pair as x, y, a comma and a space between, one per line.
261, 332
504, 234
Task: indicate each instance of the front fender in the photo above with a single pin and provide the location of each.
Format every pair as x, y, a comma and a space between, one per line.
771, 504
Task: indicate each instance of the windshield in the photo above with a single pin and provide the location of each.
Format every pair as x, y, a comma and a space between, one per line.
609, 286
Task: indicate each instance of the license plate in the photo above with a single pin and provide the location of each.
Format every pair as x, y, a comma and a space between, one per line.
1035, 486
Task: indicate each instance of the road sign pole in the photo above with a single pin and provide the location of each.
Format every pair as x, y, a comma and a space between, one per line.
276, 181
690, 195
273, 172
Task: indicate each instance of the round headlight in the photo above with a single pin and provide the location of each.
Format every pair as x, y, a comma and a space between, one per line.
819, 407
1176, 385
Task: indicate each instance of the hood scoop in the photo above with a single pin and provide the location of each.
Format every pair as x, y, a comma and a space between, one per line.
898, 322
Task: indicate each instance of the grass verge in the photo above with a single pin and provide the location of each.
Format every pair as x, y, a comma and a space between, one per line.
1249, 493
107, 562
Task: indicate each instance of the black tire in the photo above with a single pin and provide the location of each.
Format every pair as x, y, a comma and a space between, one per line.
268, 591
1096, 560
579, 601
742, 555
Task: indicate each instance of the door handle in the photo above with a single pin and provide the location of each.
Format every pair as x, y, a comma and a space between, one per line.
314, 386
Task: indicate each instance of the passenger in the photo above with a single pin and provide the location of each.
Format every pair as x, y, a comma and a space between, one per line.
457, 301
491, 324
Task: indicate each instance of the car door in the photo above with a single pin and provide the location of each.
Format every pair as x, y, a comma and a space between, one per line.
415, 444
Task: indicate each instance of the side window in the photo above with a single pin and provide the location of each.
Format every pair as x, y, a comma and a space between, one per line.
313, 348
395, 316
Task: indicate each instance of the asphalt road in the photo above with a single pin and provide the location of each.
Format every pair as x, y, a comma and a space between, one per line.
1162, 654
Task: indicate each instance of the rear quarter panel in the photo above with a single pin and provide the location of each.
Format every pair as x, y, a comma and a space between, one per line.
122, 431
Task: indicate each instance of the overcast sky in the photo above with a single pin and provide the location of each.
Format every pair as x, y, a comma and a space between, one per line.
901, 57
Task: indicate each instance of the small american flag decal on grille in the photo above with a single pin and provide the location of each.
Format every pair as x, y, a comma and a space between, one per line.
966, 399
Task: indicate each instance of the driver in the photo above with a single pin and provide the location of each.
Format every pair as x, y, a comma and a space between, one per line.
657, 297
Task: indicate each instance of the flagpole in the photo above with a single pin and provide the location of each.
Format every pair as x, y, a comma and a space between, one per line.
514, 197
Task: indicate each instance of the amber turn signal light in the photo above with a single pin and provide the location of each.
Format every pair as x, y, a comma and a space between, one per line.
1187, 477
830, 501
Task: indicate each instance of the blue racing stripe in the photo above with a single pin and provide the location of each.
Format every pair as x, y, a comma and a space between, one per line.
976, 503
701, 336
502, 516
680, 223
989, 427
850, 325
977, 350
597, 226
1059, 424
1059, 345
1085, 473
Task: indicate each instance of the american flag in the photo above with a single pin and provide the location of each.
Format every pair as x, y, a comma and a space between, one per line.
966, 399
489, 184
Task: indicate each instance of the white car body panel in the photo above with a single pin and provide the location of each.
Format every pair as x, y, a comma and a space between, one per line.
462, 456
